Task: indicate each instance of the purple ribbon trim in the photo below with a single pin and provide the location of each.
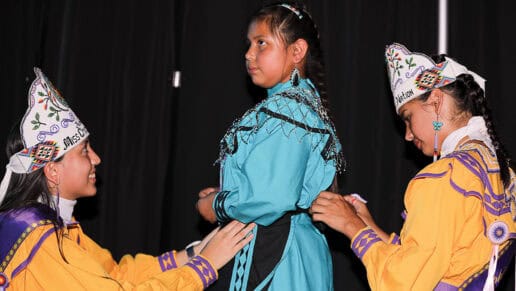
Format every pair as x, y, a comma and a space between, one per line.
36, 247
364, 241
492, 201
167, 261
203, 268
396, 240
477, 281
445, 287
430, 175
13, 224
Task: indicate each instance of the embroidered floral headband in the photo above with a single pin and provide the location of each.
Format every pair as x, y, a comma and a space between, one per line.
413, 74
48, 129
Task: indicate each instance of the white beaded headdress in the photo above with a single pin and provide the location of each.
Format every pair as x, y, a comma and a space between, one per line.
48, 129
413, 74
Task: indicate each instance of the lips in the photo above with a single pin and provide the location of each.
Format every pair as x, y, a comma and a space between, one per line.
251, 70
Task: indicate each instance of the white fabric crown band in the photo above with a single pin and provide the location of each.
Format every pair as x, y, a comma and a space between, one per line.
459, 69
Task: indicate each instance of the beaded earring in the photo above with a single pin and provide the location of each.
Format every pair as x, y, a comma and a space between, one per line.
294, 77
437, 126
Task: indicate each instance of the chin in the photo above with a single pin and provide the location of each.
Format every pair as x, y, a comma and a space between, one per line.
258, 83
90, 193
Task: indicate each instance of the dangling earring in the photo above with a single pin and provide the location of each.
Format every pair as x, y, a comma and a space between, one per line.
437, 126
56, 202
294, 77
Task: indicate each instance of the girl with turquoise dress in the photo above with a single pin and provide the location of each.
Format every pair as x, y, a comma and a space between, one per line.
276, 159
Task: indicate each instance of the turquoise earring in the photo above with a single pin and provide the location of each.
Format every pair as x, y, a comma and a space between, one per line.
437, 126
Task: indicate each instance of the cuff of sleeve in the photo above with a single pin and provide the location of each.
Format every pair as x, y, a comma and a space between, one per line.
363, 240
394, 239
218, 206
204, 270
167, 261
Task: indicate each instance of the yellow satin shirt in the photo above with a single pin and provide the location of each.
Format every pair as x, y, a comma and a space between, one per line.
90, 267
450, 206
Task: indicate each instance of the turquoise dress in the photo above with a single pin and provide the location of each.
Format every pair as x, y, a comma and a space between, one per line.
274, 162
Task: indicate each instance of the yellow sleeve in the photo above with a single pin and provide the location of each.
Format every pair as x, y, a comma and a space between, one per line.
435, 214
135, 269
84, 268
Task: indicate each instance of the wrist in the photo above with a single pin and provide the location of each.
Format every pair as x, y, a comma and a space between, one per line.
190, 249
353, 226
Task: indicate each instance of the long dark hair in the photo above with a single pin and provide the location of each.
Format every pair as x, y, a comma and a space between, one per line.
288, 25
26, 190
469, 97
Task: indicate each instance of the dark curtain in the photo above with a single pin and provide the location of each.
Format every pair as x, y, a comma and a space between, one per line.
113, 62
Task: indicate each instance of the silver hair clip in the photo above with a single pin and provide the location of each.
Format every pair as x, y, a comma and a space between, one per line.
291, 8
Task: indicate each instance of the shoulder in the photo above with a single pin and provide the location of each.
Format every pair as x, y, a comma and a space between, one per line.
19, 222
297, 106
22, 231
470, 159
466, 171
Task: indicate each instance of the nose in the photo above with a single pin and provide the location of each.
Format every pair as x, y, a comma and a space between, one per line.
409, 136
94, 158
249, 55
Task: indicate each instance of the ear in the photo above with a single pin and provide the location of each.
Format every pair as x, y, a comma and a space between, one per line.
436, 99
51, 172
299, 50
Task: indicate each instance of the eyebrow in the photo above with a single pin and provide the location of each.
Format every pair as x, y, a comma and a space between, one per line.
402, 114
257, 36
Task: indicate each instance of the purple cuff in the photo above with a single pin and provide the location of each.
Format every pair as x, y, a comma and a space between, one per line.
204, 269
167, 261
363, 241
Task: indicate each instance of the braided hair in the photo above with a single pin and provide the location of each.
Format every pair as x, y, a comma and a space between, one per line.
469, 97
291, 26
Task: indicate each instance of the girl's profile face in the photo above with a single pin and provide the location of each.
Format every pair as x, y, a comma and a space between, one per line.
418, 117
77, 172
268, 60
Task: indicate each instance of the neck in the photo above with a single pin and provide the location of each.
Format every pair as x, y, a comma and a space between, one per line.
475, 129
65, 208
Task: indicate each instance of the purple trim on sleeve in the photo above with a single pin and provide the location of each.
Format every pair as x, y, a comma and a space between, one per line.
404, 214
167, 261
203, 268
36, 247
364, 241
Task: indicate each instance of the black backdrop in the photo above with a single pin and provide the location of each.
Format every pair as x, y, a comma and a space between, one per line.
113, 62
